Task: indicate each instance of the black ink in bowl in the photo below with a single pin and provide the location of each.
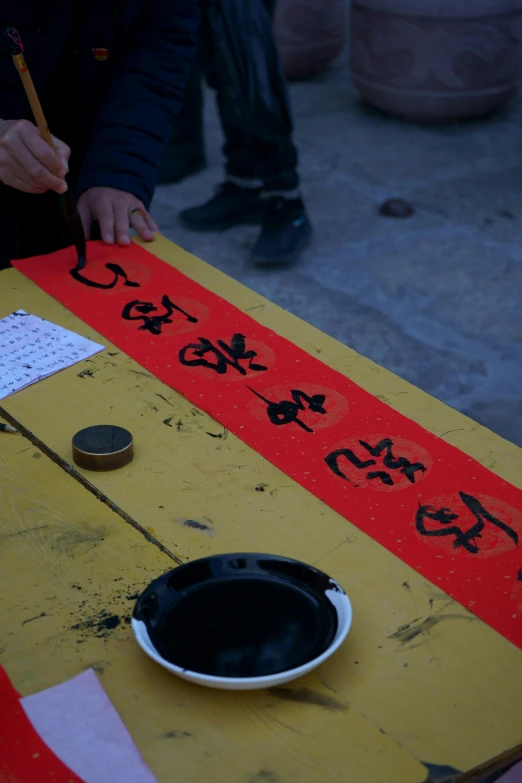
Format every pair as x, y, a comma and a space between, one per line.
240, 616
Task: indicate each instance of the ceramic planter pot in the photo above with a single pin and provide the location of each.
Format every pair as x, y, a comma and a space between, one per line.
309, 34
436, 60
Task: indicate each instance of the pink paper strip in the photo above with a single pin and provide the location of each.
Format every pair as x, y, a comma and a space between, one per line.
513, 776
78, 722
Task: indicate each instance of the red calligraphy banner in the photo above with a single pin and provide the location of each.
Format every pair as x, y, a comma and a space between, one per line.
434, 507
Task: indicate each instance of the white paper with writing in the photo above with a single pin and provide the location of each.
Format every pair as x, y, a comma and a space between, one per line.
32, 348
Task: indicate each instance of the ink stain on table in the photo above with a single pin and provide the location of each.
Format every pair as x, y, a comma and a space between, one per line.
99, 625
162, 397
423, 627
90, 619
68, 541
168, 422
261, 487
86, 374
264, 776
223, 435
196, 525
203, 525
21, 533
309, 696
176, 734
30, 620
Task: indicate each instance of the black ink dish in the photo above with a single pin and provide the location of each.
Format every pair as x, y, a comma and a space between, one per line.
242, 621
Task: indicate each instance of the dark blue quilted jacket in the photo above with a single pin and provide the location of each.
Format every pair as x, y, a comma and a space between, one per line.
123, 69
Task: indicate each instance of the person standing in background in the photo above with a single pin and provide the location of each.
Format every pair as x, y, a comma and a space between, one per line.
262, 181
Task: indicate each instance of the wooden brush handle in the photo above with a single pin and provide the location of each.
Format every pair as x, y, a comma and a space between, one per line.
32, 97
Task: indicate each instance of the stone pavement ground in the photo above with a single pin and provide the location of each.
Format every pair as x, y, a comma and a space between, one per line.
437, 297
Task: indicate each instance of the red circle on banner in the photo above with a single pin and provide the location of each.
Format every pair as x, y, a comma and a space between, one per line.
399, 463
482, 526
335, 404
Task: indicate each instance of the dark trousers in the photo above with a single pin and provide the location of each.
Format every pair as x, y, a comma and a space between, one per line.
274, 163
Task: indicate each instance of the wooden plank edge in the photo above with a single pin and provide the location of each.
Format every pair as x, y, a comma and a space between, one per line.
491, 770
81, 479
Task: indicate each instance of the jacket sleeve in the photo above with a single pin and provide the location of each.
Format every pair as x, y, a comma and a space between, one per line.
144, 93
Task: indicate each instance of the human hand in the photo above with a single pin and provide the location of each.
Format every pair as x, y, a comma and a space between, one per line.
27, 162
117, 212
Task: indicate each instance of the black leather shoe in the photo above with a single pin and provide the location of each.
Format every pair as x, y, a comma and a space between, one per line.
286, 231
231, 206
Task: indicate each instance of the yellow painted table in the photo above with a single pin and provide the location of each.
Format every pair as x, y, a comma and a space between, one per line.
68, 564
447, 688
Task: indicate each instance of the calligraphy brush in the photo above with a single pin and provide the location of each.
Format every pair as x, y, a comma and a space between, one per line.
6, 428
67, 200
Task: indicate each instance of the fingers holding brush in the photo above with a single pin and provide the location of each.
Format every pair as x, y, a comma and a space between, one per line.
27, 162
64, 153
16, 177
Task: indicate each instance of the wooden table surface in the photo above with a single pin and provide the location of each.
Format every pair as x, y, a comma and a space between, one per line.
448, 691
68, 565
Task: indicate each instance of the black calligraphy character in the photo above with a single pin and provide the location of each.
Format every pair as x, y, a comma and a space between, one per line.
466, 539
390, 461
118, 272
153, 323
228, 356
286, 411
401, 464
